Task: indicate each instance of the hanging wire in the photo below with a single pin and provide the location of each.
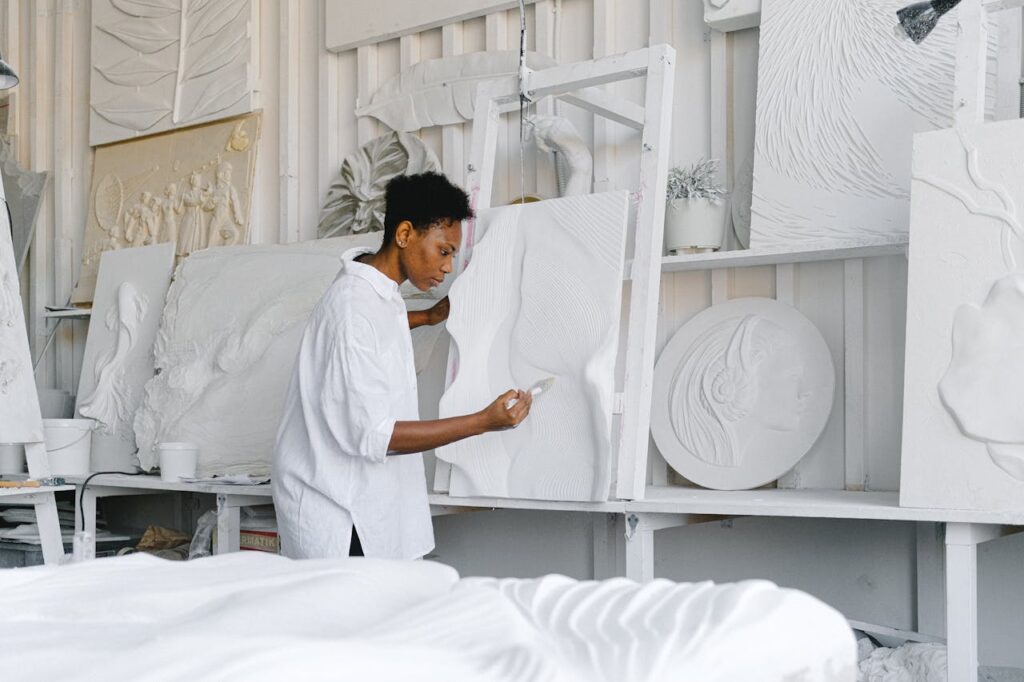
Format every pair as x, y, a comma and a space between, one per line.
523, 101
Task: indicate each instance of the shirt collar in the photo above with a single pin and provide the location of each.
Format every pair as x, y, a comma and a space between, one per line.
382, 284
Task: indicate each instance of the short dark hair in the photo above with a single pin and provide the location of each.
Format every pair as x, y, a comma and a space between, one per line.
423, 200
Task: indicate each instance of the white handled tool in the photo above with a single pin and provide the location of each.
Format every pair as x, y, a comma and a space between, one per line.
537, 389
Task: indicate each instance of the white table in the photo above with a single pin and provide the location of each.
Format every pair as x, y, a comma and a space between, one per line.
230, 500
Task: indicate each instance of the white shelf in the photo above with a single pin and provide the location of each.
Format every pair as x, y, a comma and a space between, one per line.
156, 484
6, 493
442, 500
812, 252
72, 314
822, 504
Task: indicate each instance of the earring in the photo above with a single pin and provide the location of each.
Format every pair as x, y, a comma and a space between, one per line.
401, 245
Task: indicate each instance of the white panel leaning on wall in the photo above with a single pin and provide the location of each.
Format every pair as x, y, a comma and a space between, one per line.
165, 64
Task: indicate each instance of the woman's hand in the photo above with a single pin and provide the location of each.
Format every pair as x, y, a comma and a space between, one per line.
438, 313
499, 415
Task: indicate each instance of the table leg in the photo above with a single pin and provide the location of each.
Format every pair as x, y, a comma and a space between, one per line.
49, 529
229, 519
962, 540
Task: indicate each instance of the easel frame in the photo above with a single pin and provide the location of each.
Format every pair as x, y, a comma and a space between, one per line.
576, 83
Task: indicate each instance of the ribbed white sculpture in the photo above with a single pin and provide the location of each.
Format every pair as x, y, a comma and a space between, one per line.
540, 298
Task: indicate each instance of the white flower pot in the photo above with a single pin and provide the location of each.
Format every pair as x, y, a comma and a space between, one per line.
695, 225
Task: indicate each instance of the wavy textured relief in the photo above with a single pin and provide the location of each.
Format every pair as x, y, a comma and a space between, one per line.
443, 91
661, 630
162, 64
355, 201
111, 402
838, 102
521, 312
413, 620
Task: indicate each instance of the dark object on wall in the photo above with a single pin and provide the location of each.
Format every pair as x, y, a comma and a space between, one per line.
918, 20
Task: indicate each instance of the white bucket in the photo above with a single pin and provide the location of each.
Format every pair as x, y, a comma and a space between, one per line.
68, 444
177, 460
12, 458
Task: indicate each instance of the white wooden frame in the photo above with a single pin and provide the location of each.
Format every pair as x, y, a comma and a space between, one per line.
576, 83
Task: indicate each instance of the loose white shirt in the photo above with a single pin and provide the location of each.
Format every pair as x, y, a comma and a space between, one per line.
354, 378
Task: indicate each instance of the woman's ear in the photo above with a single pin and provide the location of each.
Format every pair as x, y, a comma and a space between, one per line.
402, 233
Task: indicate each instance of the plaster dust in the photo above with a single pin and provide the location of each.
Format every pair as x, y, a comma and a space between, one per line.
540, 298
264, 617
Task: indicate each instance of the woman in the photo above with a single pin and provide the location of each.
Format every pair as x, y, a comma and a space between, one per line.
347, 472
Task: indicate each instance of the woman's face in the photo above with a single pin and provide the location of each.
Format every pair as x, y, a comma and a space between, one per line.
428, 255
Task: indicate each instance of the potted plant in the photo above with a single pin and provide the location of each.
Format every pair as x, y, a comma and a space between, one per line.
697, 210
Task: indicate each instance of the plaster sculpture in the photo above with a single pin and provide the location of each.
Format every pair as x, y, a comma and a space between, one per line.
412, 620
696, 625
443, 91
918, 661
540, 298
24, 197
741, 393
838, 101
226, 347
574, 164
963, 446
355, 202
20, 418
189, 187
118, 358
732, 15
164, 64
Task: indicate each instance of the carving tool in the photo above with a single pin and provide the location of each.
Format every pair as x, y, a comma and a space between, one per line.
537, 389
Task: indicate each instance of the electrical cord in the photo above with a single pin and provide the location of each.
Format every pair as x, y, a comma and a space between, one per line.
85, 484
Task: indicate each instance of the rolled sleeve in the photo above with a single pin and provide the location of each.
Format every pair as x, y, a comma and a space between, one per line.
357, 395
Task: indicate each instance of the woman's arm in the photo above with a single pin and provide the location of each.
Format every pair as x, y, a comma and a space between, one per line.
417, 436
436, 314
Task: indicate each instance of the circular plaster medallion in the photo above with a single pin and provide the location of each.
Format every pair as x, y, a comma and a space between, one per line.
741, 393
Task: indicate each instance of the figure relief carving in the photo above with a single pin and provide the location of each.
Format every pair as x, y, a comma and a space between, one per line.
191, 188
225, 209
109, 402
741, 393
736, 380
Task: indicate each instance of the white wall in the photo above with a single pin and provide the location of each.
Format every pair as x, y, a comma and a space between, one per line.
308, 95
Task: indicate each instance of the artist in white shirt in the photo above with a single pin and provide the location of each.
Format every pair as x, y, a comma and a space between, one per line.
348, 474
